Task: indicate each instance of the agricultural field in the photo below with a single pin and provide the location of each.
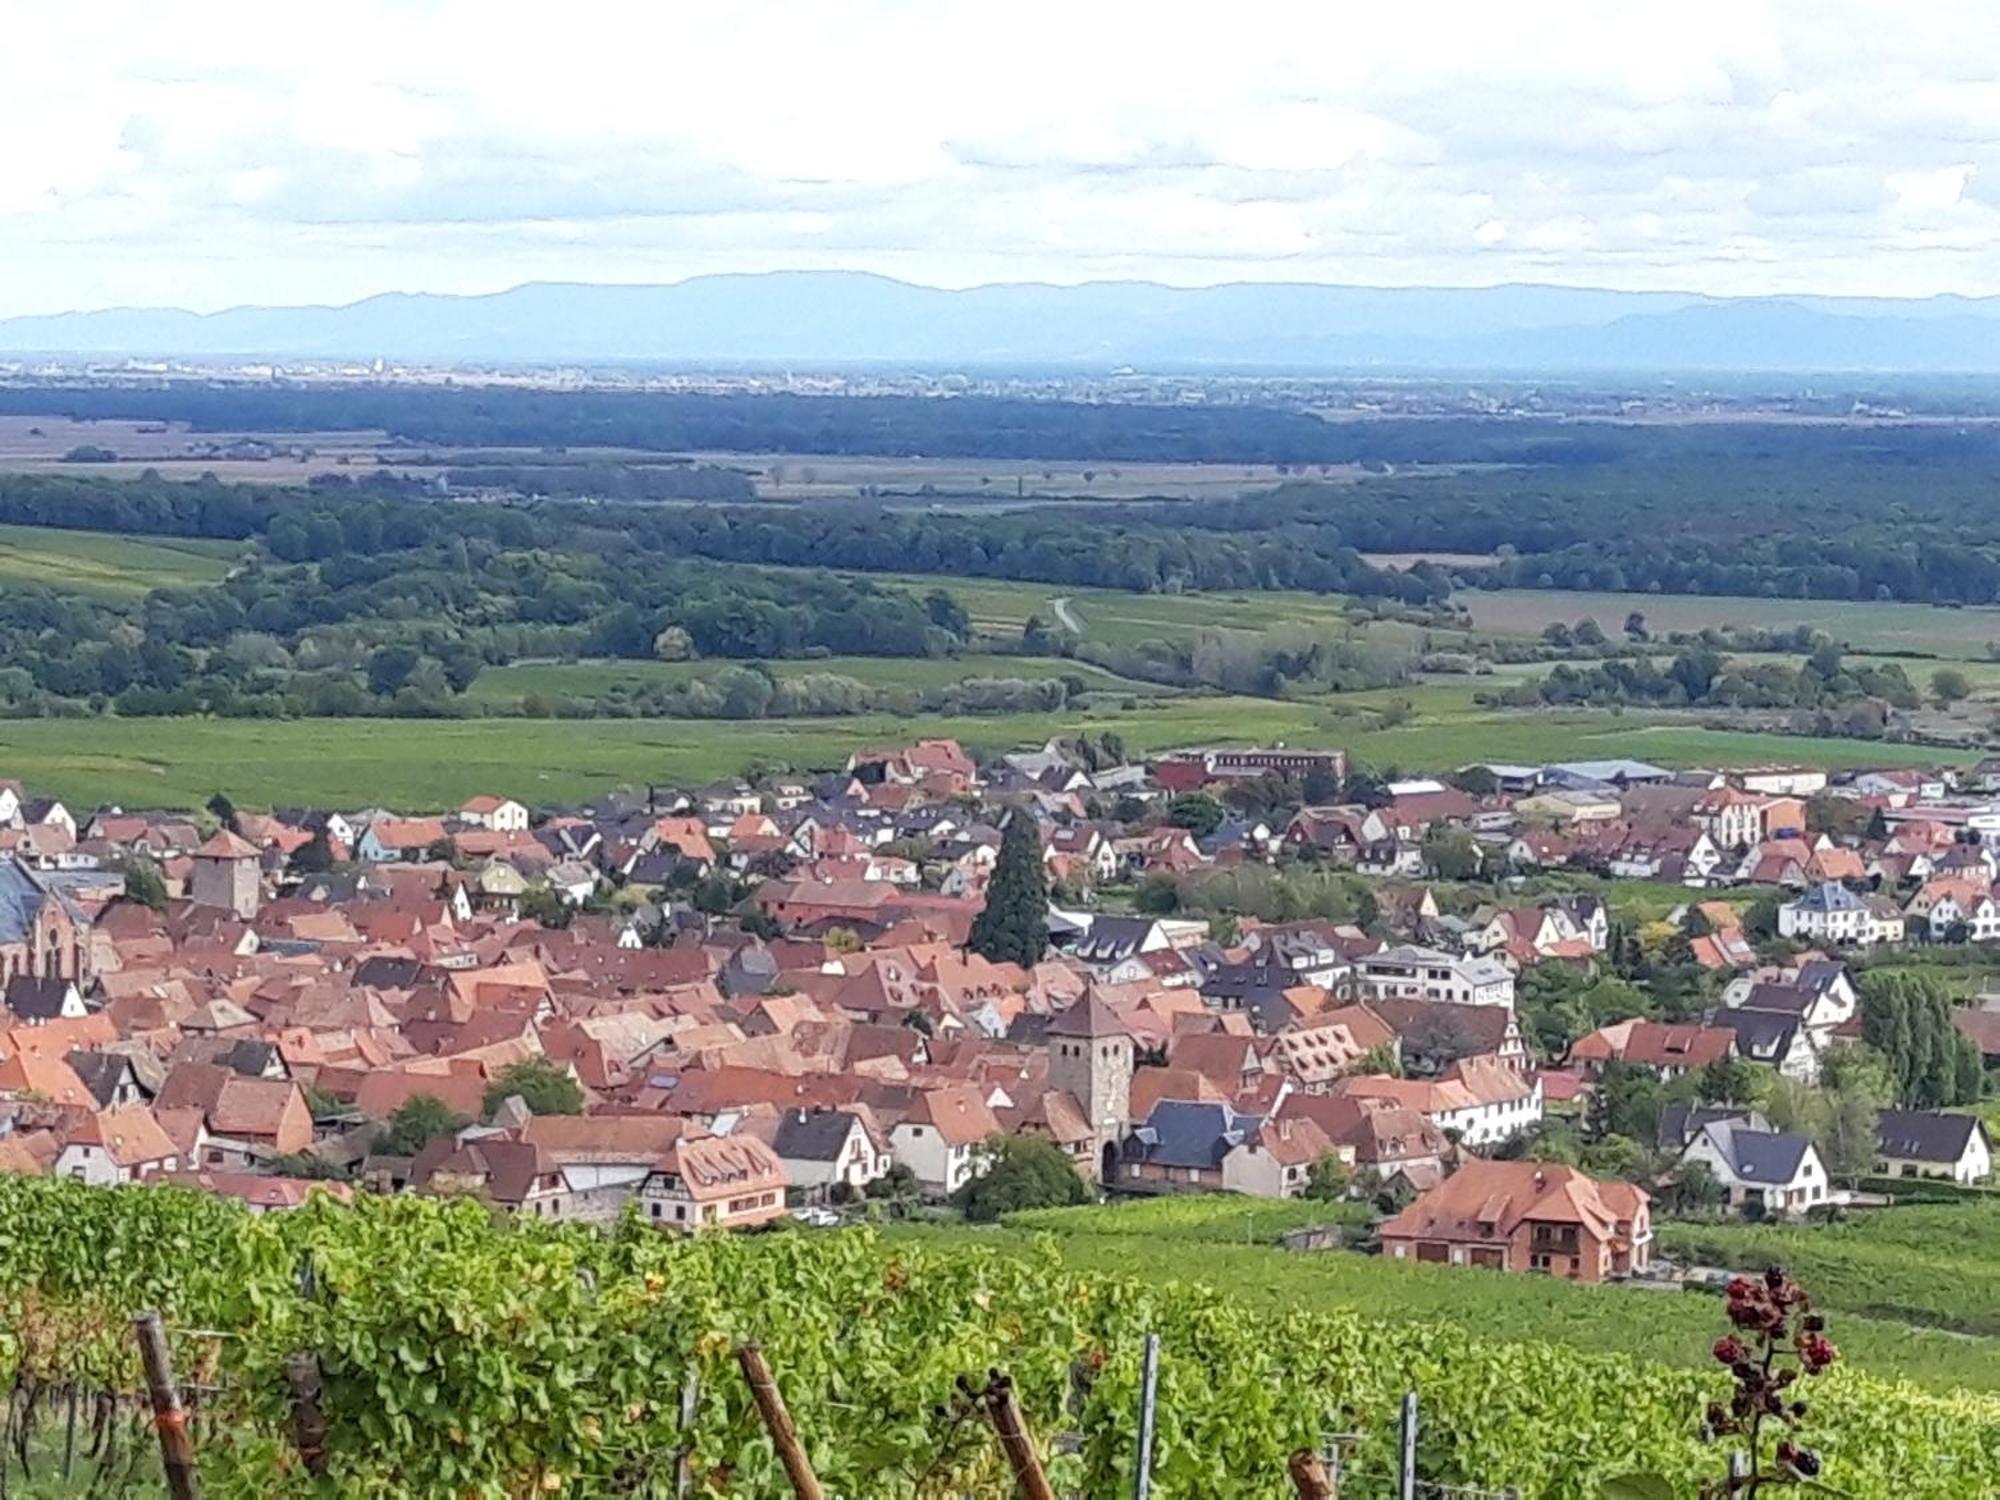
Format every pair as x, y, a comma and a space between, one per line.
37, 444
434, 763
999, 481
111, 567
1669, 1327
506, 686
1900, 629
428, 763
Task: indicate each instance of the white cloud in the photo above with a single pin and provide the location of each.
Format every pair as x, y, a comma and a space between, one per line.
229, 152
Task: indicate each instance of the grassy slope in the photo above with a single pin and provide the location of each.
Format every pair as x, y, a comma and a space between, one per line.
1674, 1328
113, 567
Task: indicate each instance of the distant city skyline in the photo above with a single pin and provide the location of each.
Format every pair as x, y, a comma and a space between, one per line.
216, 156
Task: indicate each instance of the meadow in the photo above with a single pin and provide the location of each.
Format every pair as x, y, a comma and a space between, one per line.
437, 763
117, 568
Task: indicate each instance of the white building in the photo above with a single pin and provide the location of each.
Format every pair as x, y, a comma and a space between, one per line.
1929, 1143
1413, 973
500, 814
1780, 1170
1830, 913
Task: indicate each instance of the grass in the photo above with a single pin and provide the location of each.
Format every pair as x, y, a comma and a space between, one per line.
110, 567
421, 763
425, 763
551, 679
1197, 1218
1119, 617
1674, 1328
1863, 625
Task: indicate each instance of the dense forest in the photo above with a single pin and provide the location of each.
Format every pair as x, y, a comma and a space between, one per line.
407, 631
1761, 509
897, 426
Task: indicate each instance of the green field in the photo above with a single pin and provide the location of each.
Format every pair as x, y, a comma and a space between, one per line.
429, 763
1672, 1327
551, 679
112, 567
1865, 626
1118, 617
425, 763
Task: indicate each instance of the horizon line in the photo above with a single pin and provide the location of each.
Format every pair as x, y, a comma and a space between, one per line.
1030, 284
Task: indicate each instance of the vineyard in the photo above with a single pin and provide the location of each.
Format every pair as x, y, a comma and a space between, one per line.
1231, 1242
1936, 1266
461, 1356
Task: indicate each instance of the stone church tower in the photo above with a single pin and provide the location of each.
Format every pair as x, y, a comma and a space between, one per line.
226, 875
1090, 1058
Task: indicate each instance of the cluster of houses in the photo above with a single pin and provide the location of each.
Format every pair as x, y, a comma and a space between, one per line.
311, 972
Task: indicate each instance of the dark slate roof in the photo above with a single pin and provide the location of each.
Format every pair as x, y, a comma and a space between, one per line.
1681, 1123
249, 1057
1924, 1135
388, 973
1781, 999
334, 885
1761, 1156
812, 1135
1029, 1029
101, 1073
1820, 974
1237, 983
1114, 937
21, 898
1180, 1133
1761, 1035
36, 999
1829, 896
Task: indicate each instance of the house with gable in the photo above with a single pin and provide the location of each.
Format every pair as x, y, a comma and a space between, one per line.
1931, 1143
1779, 1170
1526, 1216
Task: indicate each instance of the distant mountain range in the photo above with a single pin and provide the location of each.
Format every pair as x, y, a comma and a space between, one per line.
845, 318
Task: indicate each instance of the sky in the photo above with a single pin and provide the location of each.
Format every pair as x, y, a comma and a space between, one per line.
215, 154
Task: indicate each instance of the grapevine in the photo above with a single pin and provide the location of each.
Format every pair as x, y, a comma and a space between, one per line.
468, 1355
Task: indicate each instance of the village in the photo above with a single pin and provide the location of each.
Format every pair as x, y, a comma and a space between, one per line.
816, 997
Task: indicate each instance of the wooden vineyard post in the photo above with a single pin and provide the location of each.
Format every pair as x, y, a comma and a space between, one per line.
1004, 1412
778, 1421
169, 1416
308, 1421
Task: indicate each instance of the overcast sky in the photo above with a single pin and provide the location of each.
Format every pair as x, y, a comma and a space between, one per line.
209, 154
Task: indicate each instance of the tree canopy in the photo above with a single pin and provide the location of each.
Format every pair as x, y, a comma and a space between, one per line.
1013, 926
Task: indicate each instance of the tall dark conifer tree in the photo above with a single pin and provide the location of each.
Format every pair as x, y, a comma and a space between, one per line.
1014, 927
